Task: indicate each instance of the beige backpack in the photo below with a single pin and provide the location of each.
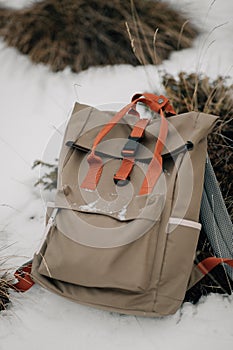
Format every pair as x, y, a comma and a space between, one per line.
123, 231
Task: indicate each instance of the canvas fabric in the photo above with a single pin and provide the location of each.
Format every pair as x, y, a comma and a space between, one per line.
112, 248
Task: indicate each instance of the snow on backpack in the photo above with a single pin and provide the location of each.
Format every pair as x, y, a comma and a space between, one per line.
123, 231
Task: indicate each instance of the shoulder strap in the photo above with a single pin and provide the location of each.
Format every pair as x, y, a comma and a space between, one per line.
215, 219
23, 275
208, 264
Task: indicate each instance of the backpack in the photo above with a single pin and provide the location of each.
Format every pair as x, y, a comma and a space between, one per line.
123, 230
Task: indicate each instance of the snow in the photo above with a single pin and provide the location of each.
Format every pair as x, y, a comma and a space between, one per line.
89, 207
35, 105
122, 213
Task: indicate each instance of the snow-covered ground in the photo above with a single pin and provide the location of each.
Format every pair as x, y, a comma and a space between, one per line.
34, 105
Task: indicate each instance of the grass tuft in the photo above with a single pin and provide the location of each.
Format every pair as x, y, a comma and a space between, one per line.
198, 92
5, 281
79, 33
49, 179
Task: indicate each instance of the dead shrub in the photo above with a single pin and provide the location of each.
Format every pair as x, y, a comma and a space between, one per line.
197, 92
80, 33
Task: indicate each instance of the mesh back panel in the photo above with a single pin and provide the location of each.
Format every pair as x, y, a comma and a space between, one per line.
215, 219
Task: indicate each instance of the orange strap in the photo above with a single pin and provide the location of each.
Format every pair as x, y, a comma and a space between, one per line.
95, 163
155, 166
94, 173
156, 103
161, 101
208, 264
139, 128
122, 175
24, 278
128, 153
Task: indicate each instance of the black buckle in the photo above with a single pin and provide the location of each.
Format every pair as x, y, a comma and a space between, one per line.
131, 147
121, 183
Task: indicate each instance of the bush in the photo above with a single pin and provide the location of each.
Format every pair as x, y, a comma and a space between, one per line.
80, 33
197, 92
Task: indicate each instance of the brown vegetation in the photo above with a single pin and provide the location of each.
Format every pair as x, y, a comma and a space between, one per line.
5, 280
80, 33
196, 92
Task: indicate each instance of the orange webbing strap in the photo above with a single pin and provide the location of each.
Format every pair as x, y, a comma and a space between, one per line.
124, 171
159, 104
95, 170
206, 265
95, 163
155, 166
139, 128
156, 103
23, 275
128, 153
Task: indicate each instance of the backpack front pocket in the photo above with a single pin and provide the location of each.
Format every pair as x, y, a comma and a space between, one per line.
95, 250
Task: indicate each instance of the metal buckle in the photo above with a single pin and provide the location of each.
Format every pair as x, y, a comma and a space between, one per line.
131, 147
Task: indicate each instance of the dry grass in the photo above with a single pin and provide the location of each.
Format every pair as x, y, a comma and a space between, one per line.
196, 92
80, 33
49, 179
5, 280
4, 296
